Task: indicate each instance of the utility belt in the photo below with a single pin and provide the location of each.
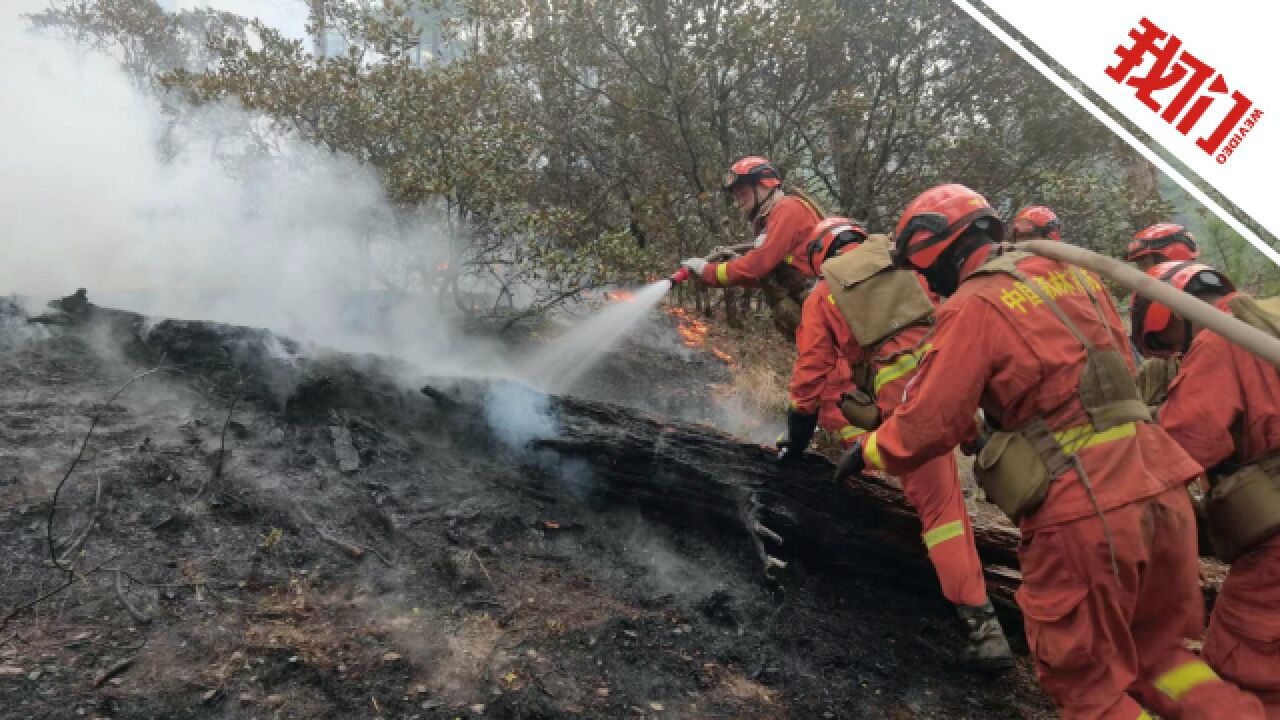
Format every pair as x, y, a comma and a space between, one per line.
860, 409
1153, 378
1015, 468
1244, 508
859, 405
785, 289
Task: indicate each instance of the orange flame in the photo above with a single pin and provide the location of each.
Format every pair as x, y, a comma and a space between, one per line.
693, 332
724, 356
443, 267
619, 296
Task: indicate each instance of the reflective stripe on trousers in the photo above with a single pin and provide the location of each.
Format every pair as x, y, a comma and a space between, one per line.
1185, 678
1075, 439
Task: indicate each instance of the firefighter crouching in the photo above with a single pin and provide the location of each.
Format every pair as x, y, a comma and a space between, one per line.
783, 224
1110, 576
878, 317
1224, 409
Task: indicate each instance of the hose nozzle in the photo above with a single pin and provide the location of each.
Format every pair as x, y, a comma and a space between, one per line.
679, 276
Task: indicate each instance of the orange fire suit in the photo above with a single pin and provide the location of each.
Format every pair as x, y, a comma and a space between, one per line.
933, 489
1225, 404
782, 236
1095, 635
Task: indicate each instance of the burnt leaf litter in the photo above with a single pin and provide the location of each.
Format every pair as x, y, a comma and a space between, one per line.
373, 548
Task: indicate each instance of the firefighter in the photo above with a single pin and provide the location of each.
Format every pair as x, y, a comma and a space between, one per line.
1034, 222
1224, 408
1160, 243
1163, 242
890, 312
1110, 576
782, 223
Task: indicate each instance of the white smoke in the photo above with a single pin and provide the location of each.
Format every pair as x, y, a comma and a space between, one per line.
216, 217
518, 414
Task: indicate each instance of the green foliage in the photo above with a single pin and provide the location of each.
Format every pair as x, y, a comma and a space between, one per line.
1228, 251
569, 145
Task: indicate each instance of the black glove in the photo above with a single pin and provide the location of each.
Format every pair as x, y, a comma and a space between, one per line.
851, 463
800, 429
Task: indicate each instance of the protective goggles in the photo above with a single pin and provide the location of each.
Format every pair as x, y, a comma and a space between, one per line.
732, 179
1026, 227
938, 231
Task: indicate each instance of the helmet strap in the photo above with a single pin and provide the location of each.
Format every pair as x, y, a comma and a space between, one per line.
760, 201
944, 274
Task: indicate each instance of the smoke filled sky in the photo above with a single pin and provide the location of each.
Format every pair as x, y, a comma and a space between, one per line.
287, 16
100, 189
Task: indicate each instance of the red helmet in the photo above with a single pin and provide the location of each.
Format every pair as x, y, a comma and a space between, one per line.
1035, 221
751, 169
1166, 241
932, 222
829, 236
1148, 318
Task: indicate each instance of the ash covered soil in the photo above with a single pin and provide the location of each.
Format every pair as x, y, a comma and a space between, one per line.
474, 550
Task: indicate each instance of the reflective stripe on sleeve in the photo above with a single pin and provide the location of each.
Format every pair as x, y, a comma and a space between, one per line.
943, 533
722, 273
849, 432
871, 453
900, 367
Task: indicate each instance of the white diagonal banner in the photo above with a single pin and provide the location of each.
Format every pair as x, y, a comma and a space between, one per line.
1196, 81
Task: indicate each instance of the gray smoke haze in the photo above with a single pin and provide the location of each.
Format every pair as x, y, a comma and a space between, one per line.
215, 216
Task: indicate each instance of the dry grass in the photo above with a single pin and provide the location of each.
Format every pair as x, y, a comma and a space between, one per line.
761, 368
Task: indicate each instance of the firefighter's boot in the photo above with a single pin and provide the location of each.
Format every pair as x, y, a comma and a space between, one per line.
985, 646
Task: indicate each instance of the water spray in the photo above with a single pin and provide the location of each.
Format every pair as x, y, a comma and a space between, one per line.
557, 366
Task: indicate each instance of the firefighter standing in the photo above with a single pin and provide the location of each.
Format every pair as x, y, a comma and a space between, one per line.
890, 310
1110, 585
1224, 409
783, 223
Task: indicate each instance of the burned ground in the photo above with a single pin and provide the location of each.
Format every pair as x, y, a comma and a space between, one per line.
475, 550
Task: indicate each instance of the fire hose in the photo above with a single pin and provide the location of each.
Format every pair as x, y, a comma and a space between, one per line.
1182, 304
719, 254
